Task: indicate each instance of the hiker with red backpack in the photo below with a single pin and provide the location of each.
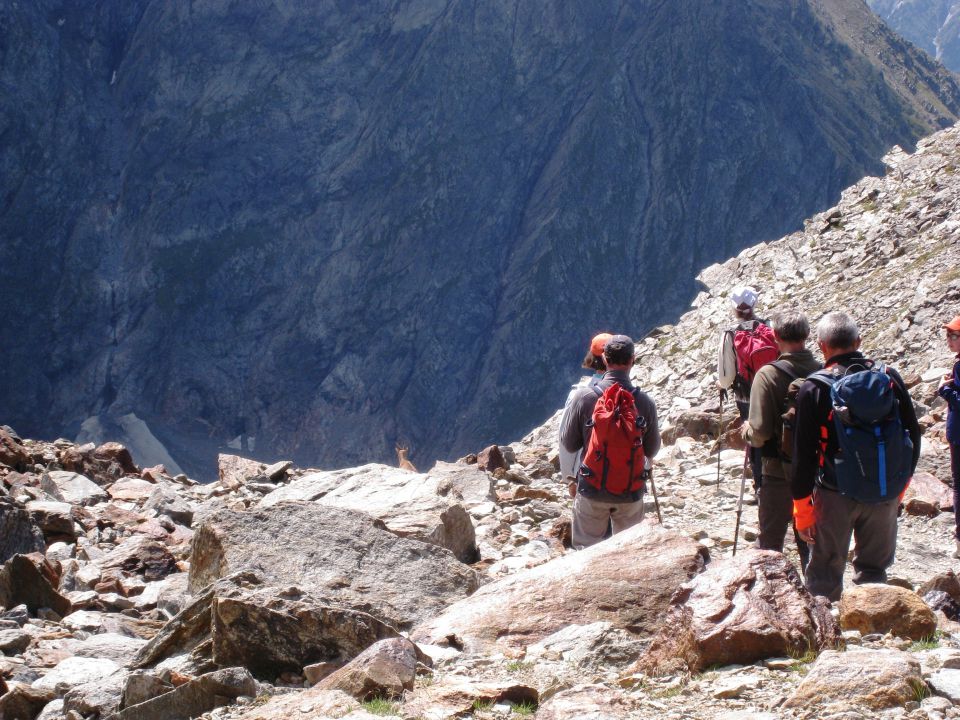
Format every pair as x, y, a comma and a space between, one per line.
569, 462
744, 349
856, 446
615, 424
770, 427
949, 390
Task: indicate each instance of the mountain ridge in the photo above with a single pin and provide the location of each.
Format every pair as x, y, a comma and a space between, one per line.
317, 231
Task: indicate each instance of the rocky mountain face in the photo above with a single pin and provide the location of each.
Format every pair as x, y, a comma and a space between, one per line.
285, 593
311, 230
933, 25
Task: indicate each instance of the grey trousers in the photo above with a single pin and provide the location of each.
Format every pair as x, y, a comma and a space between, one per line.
591, 518
775, 514
874, 529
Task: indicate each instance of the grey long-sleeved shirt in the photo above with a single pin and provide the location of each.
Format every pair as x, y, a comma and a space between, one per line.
575, 432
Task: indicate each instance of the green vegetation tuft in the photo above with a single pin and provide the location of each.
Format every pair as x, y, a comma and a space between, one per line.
928, 643
524, 708
380, 706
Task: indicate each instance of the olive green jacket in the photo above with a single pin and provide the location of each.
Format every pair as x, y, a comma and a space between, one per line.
768, 403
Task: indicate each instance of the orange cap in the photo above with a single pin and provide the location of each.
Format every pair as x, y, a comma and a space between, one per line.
952, 325
599, 342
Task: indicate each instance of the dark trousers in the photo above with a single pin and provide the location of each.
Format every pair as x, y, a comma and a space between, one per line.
775, 514
874, 530
955, 471
755, 458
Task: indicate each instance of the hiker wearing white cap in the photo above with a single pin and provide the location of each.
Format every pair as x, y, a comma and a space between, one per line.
743, 350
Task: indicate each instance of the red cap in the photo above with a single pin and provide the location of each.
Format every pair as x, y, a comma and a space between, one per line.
600, 341
952, 325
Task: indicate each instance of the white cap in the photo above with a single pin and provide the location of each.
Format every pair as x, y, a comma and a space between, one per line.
743, 295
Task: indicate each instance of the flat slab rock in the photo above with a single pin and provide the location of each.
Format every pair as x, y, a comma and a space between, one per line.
343, 555
742, 609
627, 580
423, 507
587, 702
862, 678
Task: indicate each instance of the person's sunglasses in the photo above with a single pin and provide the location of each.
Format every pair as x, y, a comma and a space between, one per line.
953, 335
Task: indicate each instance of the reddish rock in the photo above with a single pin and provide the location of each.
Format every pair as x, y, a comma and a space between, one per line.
529, 493
132, 489
154, 474
492, 458
454, 697
385, 669
12, 453
886, 608
926, 493
627, 580
861, 678
139, 555
235, 471
32, 581
740, 610
115, 452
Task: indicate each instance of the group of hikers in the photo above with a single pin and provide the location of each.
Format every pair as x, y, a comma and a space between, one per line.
831, 447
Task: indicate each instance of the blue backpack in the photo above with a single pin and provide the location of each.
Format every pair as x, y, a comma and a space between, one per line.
875, 456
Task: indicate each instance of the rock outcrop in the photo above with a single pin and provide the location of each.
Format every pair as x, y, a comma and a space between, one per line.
627, 581
340, 554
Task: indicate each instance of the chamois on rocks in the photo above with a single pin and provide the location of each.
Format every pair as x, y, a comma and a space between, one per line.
403, 460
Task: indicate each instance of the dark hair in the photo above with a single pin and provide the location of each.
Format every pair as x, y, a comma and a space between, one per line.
594, 362
619, 351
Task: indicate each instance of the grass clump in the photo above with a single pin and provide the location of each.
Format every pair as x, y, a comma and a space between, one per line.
920, 690
928, 643
380, 706
517, 665
482, 704
524, 708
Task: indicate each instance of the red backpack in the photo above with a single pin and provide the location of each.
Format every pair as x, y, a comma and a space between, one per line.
755, 347
613, 460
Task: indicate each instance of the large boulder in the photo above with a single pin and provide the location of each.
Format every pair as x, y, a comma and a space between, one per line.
858, 678
30, 580
194, 698
742, 609
627, 580
343, 555
19, 534
409, 504
886, 609
238, 622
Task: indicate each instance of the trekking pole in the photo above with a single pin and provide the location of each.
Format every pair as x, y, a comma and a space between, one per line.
743, 484
720, 440
656, 500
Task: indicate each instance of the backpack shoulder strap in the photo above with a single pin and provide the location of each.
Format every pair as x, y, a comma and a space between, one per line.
824, 378
595, 386
786, 368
